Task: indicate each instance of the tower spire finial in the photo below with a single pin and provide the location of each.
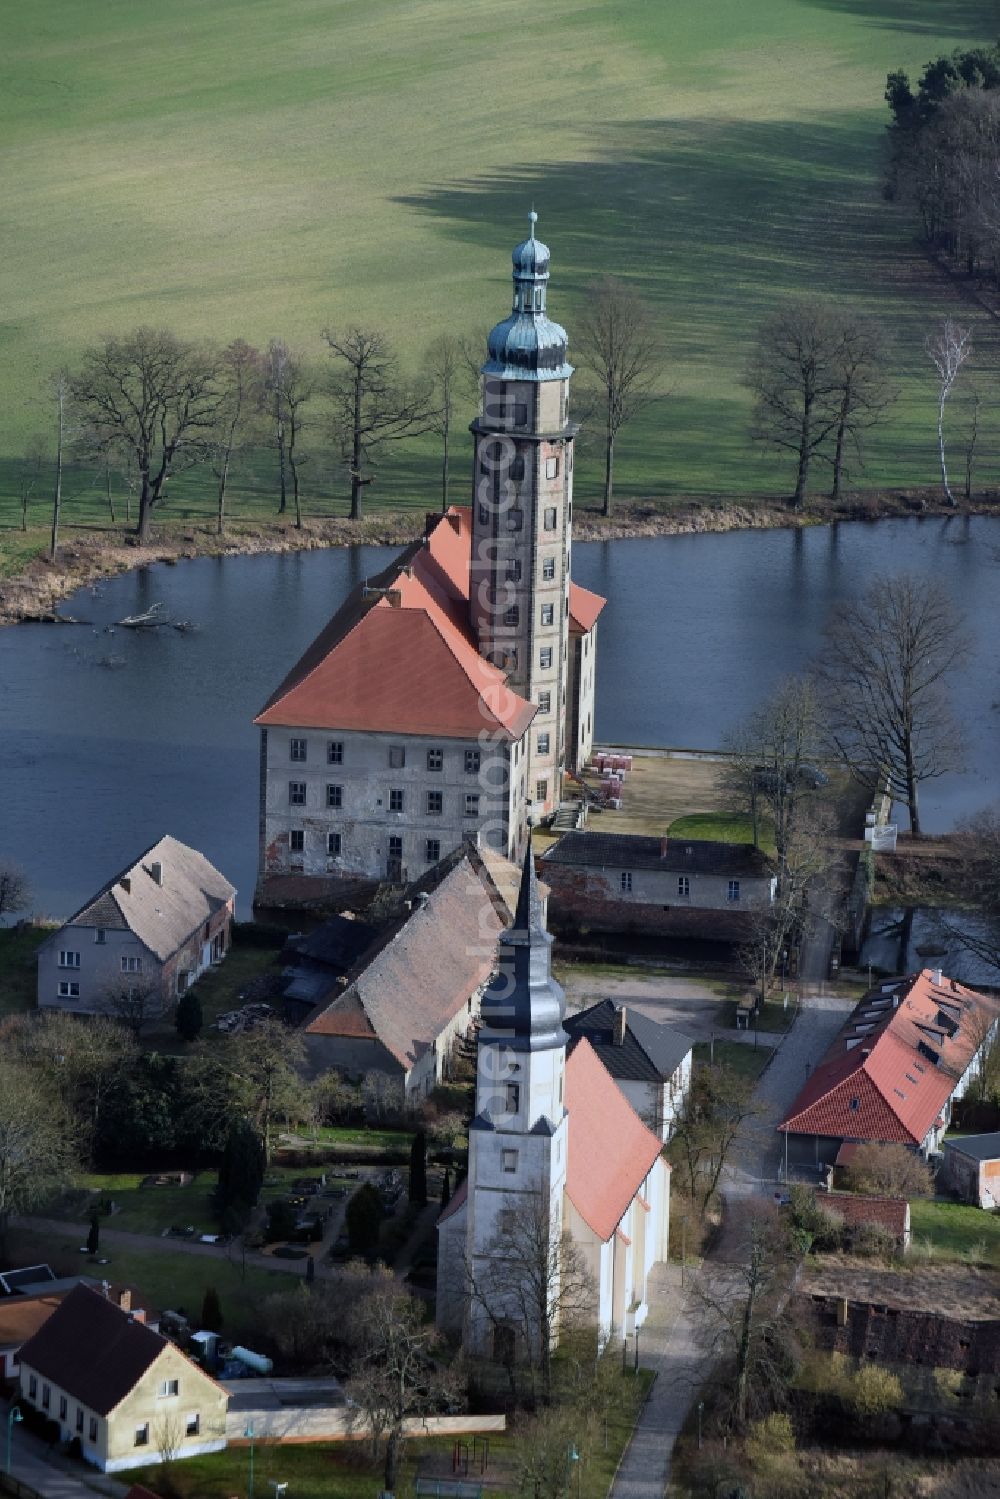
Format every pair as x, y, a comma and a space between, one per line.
532, 220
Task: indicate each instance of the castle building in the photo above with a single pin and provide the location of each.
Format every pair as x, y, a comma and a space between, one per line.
448, 696
557, 1158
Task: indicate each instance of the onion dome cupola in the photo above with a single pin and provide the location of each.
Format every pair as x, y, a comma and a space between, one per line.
523, 1006
528, 345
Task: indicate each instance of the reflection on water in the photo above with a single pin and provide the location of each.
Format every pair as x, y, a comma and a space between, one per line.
902, 939
109, 738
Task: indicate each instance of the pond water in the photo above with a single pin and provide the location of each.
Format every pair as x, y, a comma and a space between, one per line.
109, 738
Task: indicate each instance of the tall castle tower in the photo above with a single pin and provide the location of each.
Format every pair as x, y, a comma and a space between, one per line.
518, 1140
522, 516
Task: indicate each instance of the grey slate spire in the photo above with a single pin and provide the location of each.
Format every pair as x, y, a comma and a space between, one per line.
523, 1006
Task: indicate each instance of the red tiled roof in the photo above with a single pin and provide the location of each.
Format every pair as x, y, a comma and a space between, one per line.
398, 656
875, 1082
611, 1152
584, 607
456, 1201
892, 1213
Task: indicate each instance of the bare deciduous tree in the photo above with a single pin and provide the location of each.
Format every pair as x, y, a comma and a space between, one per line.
861, 391
889, 1171
395, 1374
29, 471
616, 345
372, 404
708, 1129
15, 891
132, 999
808, 888
793, 377
154, 396
977, 842
948, 348
36, 1153
885, 665
240, 373
532, 1286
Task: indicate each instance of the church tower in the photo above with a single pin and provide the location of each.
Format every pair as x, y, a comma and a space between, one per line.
522, 517
518, 1140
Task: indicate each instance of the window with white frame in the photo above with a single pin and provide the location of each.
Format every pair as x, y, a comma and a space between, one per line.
435, 759
297, 793
545, 656
193, 1425
168, 1388
545, 702
550, 518
473, 760
69, 989
297, 840
543, 744
541, 791
334, 843
472, 804
552, 468
432, 850
734, 890
297, 749
435, 803
335, 752
548, 614
334, 796
683, 885
548, 569
627, 881
69, 960
396, 799
131, 965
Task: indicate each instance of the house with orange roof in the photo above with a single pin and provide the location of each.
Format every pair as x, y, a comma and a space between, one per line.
448, 695
557, 1155
910, 1048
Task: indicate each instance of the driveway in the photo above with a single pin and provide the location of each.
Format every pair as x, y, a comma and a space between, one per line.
693, 1005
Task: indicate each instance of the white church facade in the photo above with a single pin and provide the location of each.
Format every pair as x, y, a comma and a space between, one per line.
449, 695
553, 1143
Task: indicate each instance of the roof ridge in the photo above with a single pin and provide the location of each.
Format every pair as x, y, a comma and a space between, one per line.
488, 665
281, 691
109, 887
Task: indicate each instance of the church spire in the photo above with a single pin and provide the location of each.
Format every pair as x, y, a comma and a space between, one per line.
523, 1006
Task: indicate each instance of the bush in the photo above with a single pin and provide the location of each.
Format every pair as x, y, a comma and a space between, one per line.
189, 1019
364, 1218
774, 1434
875, 1391
871, 1241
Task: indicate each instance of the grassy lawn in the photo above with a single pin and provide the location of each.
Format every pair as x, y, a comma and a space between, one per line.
718, 157
219, 990
712, 827
343, 1470
955, 1231
18, 987
748, 1061
168, 1279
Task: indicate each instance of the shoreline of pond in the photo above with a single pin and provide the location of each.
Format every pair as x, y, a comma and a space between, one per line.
34, 594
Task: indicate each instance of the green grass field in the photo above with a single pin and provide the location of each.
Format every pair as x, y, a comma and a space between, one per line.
748, 1061
954, 1231
253, 168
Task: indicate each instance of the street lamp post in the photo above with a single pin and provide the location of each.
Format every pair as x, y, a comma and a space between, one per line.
250, 1433
13, 1418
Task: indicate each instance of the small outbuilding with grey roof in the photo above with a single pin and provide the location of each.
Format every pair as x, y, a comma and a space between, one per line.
671, 887
971, 1167
650, 1062
151, 931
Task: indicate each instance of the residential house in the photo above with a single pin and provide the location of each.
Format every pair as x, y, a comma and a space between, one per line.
670, 887
25, 1310
971, 1167
650, 1062
415, 993
910, 1048
152, 930
447, 695
553, 1144
127, 1393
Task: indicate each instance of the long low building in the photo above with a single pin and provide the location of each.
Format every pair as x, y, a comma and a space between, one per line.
910, 1048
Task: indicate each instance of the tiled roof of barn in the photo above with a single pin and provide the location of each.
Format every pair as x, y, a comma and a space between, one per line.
162, 915
422, 970
584, 608
892, 1067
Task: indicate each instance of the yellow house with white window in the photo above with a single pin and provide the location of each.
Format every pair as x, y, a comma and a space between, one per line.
129, 1395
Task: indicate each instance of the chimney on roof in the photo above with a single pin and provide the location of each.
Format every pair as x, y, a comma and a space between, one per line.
125, 1300
621, 1023
937, 977
138, 1315
125, 883
156, 870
